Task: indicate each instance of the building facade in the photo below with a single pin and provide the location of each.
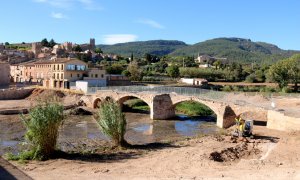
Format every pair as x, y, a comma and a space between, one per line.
61, 72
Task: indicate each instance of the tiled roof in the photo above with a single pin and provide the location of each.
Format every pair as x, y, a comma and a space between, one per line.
58, 60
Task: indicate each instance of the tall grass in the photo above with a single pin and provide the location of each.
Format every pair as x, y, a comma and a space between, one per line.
42, 126
112, 122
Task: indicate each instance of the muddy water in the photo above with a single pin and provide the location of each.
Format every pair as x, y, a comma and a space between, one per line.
80, 133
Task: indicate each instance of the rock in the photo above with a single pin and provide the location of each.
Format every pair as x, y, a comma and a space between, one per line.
81, 111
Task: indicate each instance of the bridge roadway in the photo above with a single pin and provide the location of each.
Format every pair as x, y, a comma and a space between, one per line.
162, 101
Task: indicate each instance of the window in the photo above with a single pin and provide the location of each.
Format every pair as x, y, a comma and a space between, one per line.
71, 75
78, 75
62, 67
62, 76
74, 67
102, 75
96, 75
54, 67
71, 67
57, 76
58, 67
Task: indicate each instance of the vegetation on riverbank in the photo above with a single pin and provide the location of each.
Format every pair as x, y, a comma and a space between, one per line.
112, 122
192, 108
42, 126
136, 105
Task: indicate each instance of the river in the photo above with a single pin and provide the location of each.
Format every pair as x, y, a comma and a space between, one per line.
80, 133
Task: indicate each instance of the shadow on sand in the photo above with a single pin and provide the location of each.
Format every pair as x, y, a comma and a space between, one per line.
269, 138
114, 154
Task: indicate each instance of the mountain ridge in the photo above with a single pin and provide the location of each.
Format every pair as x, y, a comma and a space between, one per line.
233, 48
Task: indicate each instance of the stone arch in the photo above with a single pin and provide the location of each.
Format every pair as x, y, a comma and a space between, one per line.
96, 103
108, 98
206, 103
124, 98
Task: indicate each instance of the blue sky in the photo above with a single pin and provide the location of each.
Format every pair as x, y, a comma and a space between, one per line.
113, 21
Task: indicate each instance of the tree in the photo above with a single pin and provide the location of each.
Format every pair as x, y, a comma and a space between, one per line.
77, 48
51, 43
6, 43
279, 73
112, 122
131, 57
98, 50
293, 66
259, 76
45, 42
135, 71
115, 68
173, 71
217, 64
148, 57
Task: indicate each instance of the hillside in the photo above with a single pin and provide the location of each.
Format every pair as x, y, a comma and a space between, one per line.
140, 48
236, 49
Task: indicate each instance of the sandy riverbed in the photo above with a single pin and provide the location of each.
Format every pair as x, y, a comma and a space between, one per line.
273, 155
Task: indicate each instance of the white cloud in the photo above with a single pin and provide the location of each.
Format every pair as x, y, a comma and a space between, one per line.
90, 5
68, 4
64, 4
151, 23
118, 38
58, 15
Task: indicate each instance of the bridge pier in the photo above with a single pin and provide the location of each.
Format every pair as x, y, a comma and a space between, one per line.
162, 107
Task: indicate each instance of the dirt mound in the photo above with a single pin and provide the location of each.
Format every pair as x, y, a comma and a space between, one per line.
42, 93
244, 150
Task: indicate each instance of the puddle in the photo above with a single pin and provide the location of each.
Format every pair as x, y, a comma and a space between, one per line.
84, 131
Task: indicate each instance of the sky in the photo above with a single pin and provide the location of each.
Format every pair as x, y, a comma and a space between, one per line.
116, 21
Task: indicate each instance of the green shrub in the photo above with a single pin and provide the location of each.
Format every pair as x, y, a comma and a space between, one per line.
250, 78
236, 88
42, 126
227, 88
112, 122
286, 90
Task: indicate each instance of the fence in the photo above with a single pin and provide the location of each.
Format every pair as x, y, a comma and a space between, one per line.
197, 92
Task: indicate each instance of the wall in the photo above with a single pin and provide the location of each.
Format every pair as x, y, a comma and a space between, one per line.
187, 81
14, 94
279, 121
4, 74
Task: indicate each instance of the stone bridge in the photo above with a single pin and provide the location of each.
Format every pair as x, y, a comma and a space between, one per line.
162, 105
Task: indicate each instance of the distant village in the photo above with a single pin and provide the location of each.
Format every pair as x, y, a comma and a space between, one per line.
54, 67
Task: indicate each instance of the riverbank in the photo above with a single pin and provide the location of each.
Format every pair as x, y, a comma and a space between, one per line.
272, 155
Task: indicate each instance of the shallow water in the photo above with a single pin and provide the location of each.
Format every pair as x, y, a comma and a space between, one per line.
81, 132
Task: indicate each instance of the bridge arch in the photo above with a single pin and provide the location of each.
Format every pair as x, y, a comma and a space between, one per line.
96, 103
204, 105
124, 98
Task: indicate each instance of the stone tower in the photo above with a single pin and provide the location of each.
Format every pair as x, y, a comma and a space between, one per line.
92, 44
1, 47
36, 48
68, 46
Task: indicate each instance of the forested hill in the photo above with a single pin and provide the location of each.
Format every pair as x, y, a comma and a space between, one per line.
140, 48
236, 49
